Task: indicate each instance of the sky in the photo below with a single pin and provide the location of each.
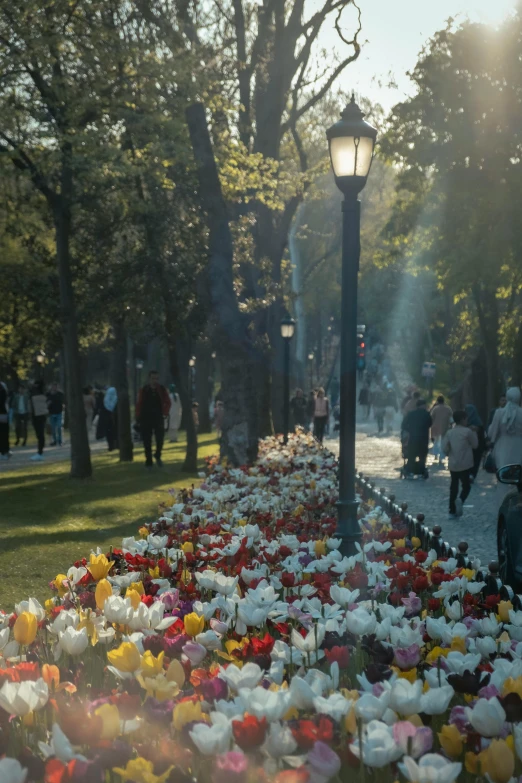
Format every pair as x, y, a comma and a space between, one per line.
395, 31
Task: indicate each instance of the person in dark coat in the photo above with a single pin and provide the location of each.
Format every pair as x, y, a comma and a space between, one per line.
4, 422
298, 407
153, 404
475, 423
417, 425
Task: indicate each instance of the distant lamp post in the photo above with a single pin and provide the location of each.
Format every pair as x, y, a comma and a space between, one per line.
351, 143
311, 360
192, 372
138, 367
287, 332
40, 361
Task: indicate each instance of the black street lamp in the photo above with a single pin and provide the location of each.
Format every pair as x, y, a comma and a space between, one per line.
138, 367
40, 361
311, 360
351, 142
192, 372
287, 332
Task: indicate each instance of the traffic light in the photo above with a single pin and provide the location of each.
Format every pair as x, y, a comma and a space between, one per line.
361, 352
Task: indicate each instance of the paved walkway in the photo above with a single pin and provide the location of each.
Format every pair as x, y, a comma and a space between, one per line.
380, 459
21, 455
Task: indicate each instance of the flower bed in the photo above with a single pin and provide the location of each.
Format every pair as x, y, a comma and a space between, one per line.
231, 642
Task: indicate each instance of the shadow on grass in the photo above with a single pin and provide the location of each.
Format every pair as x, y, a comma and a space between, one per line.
130, 528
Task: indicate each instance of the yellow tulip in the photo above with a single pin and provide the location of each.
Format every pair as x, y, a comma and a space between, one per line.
126, 658
350, 721
159, 687
51, 676
512, 685
320, 548
186, 712
110, 717
150, 666
473, 763
416, 542
176, 673
188, 547
49, 605
99, 567
143, 532
25, 628
141, 771
154, 572
193, 623
58, 583
437, 652
102, 592
186, 576
410, 675
138, 587
450, 741
400, 542
242, 522
504, 608
469, 573
134, 598
458, 644
498, 761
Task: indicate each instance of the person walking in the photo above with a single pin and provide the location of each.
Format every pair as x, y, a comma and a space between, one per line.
391, 407
459, 444
219, 415
298, 408
110, 402
475, 424
417, 425
21, 408
153, 404
441, 415
379, 406
88, 406
505, 433
39, 411
310, 409
321, 414
410, 402
364, 399
55, 405
4, 422
174, 414
501, 404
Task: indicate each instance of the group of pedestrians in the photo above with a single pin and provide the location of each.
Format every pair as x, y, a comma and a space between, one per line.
43, 408
312, 412
461, 437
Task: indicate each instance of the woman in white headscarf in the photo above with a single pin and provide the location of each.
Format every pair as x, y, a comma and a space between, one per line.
505, 432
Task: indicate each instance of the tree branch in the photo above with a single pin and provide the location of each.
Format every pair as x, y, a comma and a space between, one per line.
23, 162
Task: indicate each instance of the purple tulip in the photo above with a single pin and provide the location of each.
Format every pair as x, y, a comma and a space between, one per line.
412, 740
158, 711
173, 645
489, 692
195, 652
230, 767
324, 761
459, 718
214, 689
170, 599
413, 604
407, 657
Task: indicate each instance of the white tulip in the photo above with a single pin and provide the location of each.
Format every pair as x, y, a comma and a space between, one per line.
431, 768
436, 700
233, 708
336, 706
312, 641
73, 642
67, 618
59, 747
279, 741
271, 705
371, 708
117, 609
247, 677
360, 622
75, 575
20, 698
378, 745
342, 596
4, 637
405, 697
210, 740
459, 663
210, 640
11, 771
487, 717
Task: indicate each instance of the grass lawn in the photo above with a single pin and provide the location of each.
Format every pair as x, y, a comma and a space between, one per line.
47, 520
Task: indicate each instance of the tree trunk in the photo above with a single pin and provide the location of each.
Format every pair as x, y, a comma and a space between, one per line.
179, 357
516, 367
80, 452
204, 385
237, 355
121, 382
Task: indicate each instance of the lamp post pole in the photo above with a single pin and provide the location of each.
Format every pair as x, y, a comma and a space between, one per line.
286, 406
347, 524
351, 142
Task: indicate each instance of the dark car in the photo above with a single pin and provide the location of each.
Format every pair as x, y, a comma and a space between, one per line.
509, 528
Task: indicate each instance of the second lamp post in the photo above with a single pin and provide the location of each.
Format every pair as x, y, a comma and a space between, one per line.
287, 332
351, 142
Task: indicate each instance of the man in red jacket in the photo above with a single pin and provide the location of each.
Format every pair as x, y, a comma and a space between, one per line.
153, 404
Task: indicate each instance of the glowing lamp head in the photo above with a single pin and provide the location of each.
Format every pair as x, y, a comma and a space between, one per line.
287, 328
351, 142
